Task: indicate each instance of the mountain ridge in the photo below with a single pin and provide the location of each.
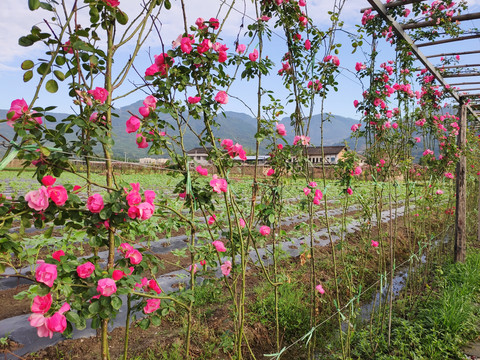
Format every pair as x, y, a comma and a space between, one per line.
239, 127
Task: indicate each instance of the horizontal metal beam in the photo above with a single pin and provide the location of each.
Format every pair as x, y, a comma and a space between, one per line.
455, 53
461, 75
446, 41
466, 83
462, 90
422, 24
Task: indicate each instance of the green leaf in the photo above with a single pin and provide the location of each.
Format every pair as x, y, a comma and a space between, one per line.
27, 64
51, 86
94, 15
25, 41
21, 295
73, 317
121, 17
144, 324
46, 6
60, 60
43, 69
156, 320
33, 4
59, 75
27, 76
168, 5
116, 302
48, 234
94, 308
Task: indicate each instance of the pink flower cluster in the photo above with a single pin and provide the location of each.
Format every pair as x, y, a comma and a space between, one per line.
46, 326
161, 65
137, 208
130, 253
318, 195
234, 150
218, 185
18, 109
304, 140
38, 200
334, 59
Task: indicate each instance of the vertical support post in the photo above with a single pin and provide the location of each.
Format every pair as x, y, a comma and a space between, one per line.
461, 210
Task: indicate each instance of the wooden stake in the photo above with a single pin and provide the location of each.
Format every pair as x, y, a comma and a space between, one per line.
461, 209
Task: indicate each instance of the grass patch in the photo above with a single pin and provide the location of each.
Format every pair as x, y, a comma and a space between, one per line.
443, 321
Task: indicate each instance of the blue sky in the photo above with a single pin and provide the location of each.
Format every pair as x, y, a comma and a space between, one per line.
16, 20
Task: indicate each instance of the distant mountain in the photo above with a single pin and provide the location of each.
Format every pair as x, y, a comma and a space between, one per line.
237, 126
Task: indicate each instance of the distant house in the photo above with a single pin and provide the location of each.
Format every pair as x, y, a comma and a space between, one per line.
199, 155
331, 153
262, 159
151, 161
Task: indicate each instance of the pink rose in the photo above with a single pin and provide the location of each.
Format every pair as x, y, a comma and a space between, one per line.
58, 254
320, 289
194, 99
41, 304
219, 246
241, 48
133, 124
141, 141
99, 94
149, 196
253, 56
214, 23
46, 273
152, 70
38, 199
202, 171
264, 230
306, 191
17, 109
95, 203
308, 45
218, 185
112, 3
57, 323
349, 191
135, 256
153, 285
212, 219
48, 180
375, 243
242, 223
152, 305
85, 270
106, 287
39, 321
281, 129
145, 210
270, 172
117, 274
226, 267
125, 247
221, 97
58, 194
